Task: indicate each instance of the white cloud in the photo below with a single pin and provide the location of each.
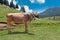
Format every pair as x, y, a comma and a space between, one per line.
30, 11
9, 1
32, 1
18, 8
41, 1
14, 2
27, 10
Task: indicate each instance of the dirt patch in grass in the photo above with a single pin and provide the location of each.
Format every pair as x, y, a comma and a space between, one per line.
3, 26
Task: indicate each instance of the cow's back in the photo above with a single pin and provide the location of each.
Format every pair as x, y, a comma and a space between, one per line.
19, 17
16, 17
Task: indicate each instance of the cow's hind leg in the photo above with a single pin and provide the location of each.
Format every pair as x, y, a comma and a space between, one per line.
9, 26
26, 28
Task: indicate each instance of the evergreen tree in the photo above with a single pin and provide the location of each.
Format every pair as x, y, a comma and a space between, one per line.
22, 9
17, 6
1, 1
12, 5
6, 2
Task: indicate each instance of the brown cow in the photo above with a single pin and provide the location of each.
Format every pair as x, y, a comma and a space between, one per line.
19, 18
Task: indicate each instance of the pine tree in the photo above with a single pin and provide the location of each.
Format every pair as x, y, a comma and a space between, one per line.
17, 6
1, 1
12, 5
22, 9
6, 2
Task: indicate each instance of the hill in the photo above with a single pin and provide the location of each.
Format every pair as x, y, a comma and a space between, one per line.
39, 29
5, 10
50, 12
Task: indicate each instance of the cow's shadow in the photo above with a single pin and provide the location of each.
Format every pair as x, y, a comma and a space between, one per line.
21, 33
13, 33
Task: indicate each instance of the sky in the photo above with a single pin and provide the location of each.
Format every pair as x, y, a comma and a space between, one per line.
38, 5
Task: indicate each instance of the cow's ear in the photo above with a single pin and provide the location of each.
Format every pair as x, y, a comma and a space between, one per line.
36, 13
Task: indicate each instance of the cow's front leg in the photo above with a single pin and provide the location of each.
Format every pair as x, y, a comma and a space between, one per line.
9, 27
26, 28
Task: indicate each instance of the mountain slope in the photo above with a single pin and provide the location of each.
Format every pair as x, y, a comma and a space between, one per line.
50, 12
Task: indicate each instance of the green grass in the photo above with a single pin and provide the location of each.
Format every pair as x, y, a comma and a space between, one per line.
53, 18
5, 10
39, 29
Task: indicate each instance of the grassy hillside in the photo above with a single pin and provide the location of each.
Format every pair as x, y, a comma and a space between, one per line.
39, 29
5, 10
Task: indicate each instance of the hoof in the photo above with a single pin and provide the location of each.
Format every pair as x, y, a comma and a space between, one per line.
1, 29
26, 31
9, 32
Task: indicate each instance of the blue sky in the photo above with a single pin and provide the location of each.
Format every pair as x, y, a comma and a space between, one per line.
39, 5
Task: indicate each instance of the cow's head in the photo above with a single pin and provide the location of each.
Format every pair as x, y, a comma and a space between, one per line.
34, 15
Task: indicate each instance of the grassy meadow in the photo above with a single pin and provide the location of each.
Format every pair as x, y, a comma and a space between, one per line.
5, 10
39, 29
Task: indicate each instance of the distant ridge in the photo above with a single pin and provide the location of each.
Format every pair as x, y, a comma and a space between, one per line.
50, 12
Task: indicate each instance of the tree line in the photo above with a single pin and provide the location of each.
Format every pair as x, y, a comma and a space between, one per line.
11, 5
5, 2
